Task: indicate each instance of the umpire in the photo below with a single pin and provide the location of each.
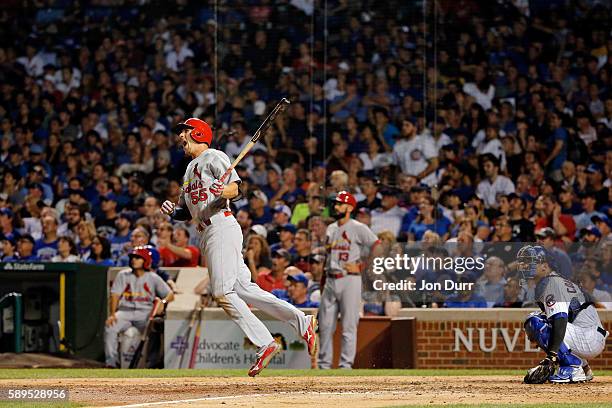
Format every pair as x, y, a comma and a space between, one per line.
348, 242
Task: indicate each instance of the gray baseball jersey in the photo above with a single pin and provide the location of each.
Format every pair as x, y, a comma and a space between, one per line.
199, 176
348, 243
556, 295
138, 294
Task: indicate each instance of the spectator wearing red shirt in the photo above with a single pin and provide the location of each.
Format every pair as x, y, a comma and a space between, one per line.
178, 252
548, 214
275, 279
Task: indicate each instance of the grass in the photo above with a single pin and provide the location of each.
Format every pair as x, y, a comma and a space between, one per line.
42, 373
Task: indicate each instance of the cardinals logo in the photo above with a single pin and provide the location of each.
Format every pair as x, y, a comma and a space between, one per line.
196, 172
345, 237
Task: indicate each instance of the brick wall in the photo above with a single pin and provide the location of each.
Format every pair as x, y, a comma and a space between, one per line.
447, 344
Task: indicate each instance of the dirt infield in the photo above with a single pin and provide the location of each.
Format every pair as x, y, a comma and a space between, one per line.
318, 391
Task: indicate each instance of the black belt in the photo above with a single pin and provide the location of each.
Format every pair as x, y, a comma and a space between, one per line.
602, 331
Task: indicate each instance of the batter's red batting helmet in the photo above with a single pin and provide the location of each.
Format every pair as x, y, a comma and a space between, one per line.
346, 198
143, 253
201, 131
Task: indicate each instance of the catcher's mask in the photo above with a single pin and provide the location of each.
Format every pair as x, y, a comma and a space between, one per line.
528, 259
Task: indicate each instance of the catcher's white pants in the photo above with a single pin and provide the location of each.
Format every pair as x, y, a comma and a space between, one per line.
231, 283
584, 342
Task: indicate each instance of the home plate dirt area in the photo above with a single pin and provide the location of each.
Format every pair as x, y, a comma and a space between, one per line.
347, 391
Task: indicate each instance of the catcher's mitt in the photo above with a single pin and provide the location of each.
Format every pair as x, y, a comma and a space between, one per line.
542, 372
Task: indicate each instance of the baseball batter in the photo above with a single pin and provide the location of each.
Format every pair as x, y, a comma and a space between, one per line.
205, 199
568, 329
348, 242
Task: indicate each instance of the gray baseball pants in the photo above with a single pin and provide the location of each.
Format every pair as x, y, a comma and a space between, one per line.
339, 295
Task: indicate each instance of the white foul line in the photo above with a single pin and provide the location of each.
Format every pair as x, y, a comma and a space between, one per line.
148, 404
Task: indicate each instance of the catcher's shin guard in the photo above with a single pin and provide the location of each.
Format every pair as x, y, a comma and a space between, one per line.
570, 369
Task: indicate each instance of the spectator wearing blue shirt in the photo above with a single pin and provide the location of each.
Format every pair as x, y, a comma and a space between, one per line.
258, 208
298, 291
557, 146
7, 227
25, 250
589, 204
429, 219
466, 298
119, 242
286, 238
101, 252
386, 130
46, 247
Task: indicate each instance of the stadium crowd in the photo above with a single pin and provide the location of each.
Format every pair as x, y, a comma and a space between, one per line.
499, 132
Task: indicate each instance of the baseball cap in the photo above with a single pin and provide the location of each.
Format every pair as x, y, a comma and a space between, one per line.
298, 277
288, 227
36, 149
281, 253
389, 191
364, 210
591, 229
545, 232
128, 215
26, 237
72, 191
35, 185
528, 197
593, 168
282, 208
601, 218
6, 211
567, 188
108, 197
260, 230
259, 194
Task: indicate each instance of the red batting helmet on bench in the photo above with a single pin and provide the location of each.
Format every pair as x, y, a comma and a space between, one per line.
143, 253
200, 130
345, 197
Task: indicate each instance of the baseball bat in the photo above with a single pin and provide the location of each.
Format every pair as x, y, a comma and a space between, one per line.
196, 340
263, 128
194, 313
137, 359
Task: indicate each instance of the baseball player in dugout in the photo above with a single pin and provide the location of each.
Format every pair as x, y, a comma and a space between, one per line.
568, 328
349, 242
133, 294
205, 199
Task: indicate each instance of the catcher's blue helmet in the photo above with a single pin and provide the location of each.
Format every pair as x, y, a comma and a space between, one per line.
528, 258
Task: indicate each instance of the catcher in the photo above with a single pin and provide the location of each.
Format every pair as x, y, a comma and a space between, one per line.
568, 329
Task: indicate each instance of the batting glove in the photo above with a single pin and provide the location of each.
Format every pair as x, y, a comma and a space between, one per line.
168, 207
217, 188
